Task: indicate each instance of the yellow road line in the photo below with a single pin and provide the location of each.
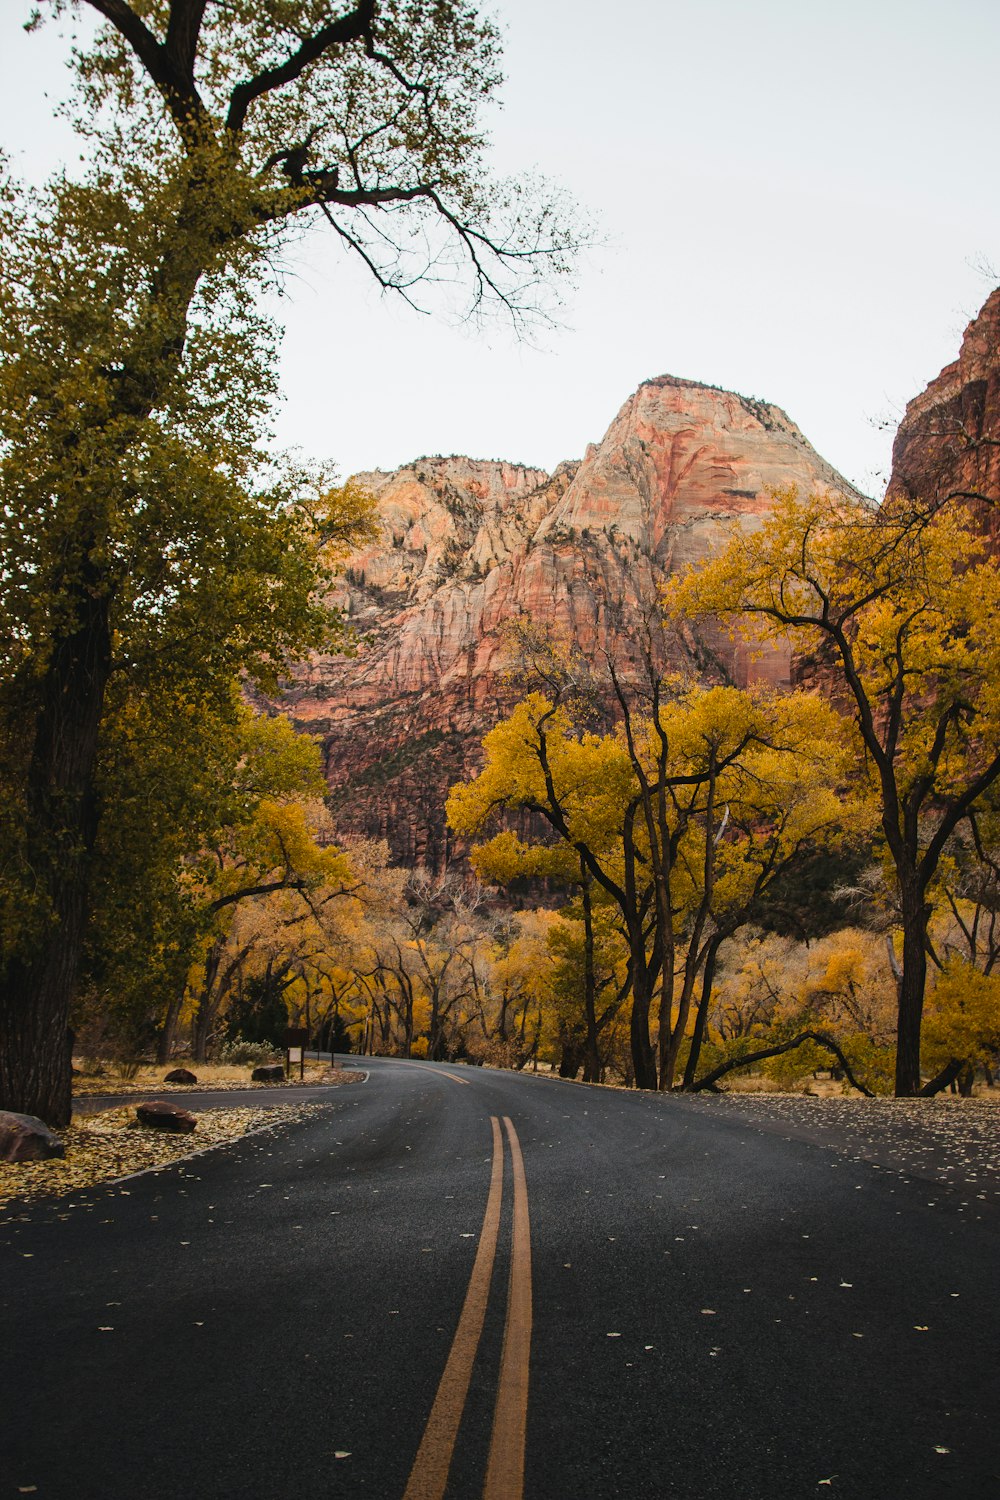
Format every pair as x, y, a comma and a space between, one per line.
452, 1077
429, 1474
505, 1469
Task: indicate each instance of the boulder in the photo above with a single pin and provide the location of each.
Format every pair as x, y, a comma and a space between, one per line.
269, 1073
180, 1075
158, 1114
26, 1138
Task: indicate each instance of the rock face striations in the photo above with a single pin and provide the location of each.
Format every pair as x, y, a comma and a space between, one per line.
468, 545
948, 443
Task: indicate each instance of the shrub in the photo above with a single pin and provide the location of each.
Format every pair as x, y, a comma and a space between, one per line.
251, 1054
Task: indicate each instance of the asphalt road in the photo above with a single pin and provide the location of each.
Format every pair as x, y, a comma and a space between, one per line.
521, 1286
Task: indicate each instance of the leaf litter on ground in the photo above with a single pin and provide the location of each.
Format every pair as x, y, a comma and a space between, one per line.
102, 1148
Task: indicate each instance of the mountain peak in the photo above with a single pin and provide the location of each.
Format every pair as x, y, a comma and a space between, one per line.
468, 544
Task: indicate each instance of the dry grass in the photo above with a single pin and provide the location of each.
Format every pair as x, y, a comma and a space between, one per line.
112, 1144
112, 1080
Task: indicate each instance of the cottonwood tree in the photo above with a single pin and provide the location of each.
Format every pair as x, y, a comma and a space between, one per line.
516, 987
591, 965
903, 605
644, 809
140, 522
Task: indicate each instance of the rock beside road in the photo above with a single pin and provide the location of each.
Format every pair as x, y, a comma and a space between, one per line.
181, 1075
26, 1138
268, 1073
108, 1146
157, 1114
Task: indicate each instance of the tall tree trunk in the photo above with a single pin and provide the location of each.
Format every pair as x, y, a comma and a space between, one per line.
573, 1053
592, 1056
36, 992
912, 984
695, 955
701, 1018
201, 1031
203, 1015
667, 980
643, 1058
436, 1048
165, 1039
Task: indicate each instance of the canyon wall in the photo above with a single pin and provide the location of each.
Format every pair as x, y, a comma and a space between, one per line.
948, 443
467, 545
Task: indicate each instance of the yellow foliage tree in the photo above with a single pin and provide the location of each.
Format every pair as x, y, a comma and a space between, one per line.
681, 816
962, 1029
902, 606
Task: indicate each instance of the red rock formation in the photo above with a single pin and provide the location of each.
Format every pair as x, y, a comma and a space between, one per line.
947, 447
468, 545
948, 443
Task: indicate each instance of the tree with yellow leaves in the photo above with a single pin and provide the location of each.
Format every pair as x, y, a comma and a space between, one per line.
962, 1030
648, 811
901, 606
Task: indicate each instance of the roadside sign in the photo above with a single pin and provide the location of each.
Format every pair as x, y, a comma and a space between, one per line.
295, 1045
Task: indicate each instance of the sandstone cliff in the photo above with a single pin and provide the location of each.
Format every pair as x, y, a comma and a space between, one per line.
948, 443
466, 545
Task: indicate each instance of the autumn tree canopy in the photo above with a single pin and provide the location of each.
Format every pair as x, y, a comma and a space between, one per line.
901, 607
680, 816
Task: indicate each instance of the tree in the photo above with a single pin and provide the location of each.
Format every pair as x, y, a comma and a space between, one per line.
644, 809
277, 851
142, 520
516, 990
591, 983
184, 789
901, 605
963, 1025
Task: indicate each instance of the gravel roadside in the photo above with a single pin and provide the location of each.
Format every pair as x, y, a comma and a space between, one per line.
953, 1143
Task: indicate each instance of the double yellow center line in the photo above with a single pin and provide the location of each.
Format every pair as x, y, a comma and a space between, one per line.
505, 1466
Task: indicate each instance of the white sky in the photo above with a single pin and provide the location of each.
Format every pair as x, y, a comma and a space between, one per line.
798, 197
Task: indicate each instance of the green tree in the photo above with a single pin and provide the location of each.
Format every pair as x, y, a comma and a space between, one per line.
141, 523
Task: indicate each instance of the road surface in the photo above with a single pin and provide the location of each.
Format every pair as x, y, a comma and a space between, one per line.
460, 1283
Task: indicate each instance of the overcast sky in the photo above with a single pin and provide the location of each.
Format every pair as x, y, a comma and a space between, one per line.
798, 199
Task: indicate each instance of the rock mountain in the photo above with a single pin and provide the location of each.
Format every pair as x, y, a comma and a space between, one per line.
468, 544
948, 443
